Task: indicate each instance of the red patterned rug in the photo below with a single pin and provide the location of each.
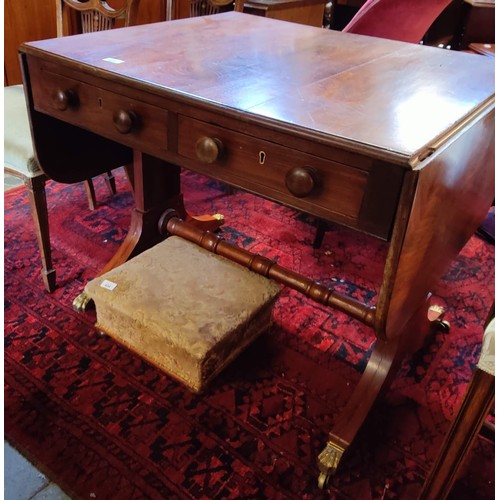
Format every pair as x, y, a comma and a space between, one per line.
103, 423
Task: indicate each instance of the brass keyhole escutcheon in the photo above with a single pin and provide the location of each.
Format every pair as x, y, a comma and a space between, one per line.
262, 157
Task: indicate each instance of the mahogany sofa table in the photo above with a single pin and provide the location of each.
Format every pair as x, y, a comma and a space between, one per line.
392, 139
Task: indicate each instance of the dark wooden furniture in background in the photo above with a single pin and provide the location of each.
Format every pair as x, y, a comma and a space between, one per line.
461, 23
27, 20
310, 12
24, 21
341, 126
86, 16
182, 9
343, 11
207, 7
478, 23
485, 49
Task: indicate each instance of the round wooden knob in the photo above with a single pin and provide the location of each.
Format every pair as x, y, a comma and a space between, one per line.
64, 98
301, 181
124, 121
208, 149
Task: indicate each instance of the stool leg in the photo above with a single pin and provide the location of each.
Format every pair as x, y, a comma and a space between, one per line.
89, 188
38, 203
320, 233
110, 182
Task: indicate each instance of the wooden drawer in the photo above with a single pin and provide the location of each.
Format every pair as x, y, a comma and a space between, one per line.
117, 117
318, 186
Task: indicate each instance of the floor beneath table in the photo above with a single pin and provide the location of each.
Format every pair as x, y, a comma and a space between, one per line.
22, 481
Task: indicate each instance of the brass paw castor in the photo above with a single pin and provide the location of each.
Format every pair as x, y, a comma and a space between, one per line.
328, 461
82, 302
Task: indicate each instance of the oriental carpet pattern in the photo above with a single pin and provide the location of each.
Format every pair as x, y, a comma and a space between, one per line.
103, 423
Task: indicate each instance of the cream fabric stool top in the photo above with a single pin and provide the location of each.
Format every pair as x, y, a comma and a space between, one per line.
184, 309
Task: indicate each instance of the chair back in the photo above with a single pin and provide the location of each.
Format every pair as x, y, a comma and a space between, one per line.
403, 20
92, 15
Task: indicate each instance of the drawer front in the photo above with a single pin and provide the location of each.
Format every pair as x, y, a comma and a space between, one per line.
117, 117
309, 183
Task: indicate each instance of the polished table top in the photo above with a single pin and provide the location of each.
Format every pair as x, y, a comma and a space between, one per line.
348, 89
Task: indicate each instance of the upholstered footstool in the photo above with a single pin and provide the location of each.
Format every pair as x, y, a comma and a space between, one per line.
185, 310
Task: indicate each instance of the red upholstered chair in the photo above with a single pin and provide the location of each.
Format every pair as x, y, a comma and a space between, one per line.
403, 20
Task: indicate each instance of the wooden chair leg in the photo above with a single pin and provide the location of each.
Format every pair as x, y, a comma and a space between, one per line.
129, 174
109, 178
110, 182
89, 188
38, 203
459, 439
320, 233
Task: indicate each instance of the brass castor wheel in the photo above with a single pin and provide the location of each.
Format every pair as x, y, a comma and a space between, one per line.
82, 303
323, 479
442, 326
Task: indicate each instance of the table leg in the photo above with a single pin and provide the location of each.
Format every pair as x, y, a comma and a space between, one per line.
383, 364
384, 360
157, 188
